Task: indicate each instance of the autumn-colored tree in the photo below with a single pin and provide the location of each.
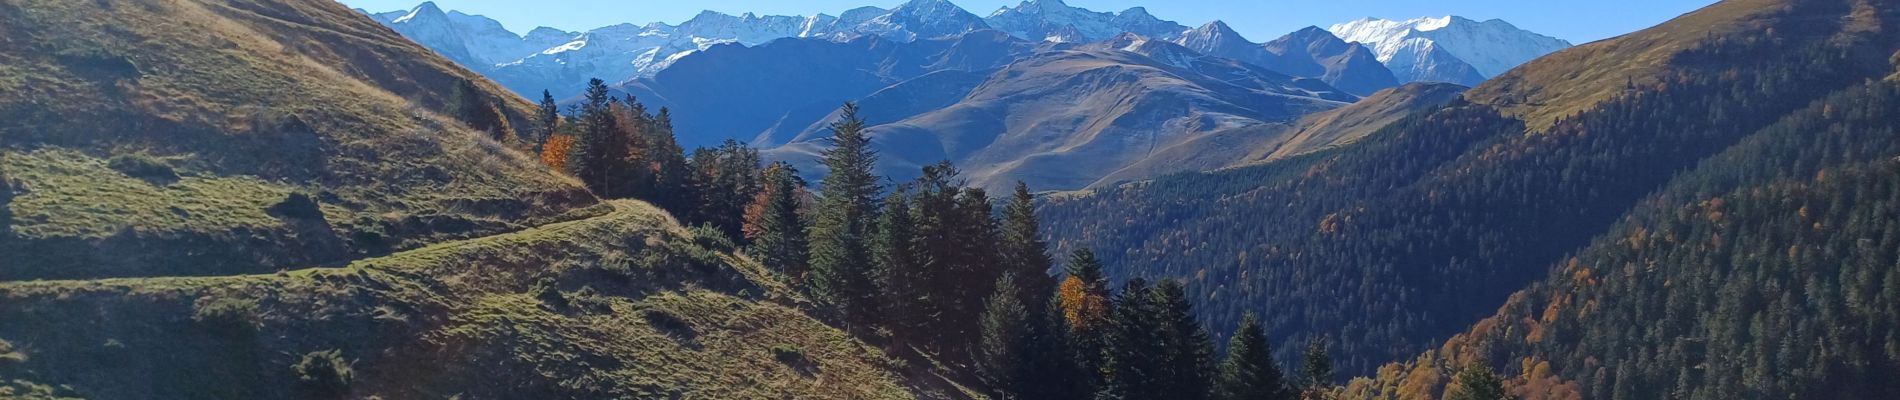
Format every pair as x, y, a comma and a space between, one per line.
554, 152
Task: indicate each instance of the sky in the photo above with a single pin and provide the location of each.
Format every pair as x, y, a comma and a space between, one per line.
1578, 21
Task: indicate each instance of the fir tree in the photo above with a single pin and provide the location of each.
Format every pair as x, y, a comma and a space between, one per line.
778, 235
547, 120
1318, 370
1187, 354
1133, 355
1056, 371
727, 178
672, 187
603, 154
1476, 382
1002, 353
1249, 372
841, 278
939, 258
1025, 253
899, 269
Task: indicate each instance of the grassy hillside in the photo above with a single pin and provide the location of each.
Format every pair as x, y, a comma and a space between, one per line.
1418, 230
188, 137
635, 307
1561, 85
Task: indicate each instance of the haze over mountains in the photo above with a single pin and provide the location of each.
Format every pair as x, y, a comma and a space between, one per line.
931, 76
547, 58
243, 199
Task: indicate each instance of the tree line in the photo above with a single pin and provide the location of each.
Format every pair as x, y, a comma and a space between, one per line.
930, 268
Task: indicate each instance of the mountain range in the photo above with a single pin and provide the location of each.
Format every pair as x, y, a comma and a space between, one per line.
287, 199
1434, 49
918, 64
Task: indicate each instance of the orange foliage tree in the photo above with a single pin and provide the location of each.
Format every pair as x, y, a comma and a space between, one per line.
554, 152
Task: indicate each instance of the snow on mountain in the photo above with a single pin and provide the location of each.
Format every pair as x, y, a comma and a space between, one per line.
472, 40
1435, 47
1053, 20
1450, 49
921, 19
1310, 52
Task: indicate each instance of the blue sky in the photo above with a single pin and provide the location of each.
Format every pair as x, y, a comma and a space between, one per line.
1578, 21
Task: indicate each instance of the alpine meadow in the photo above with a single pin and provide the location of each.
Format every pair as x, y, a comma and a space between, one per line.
906, 199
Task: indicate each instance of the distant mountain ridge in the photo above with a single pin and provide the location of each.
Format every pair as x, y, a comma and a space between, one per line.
1448, 49
561, 62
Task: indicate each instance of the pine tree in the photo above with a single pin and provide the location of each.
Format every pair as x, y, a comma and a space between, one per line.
1056, 371
1249, 372
778, 232
1318, 370
1476, 382
1187, 354
899, 269
1025, 253
841, 256
672, 187
603, 156
547, 120
1133, 354
727, 178
939, 258
977, 262
1002, 353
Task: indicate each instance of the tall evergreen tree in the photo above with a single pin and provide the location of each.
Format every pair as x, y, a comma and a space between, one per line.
1133, 355
1476, 382
1025, 253
899, 269
1002, 352
939, 257
977, 261
727, 178
1249, 372
1056, 370
547, 120
672, 187
1318, 371
841, 255
778, 235
603, 154
1187, 354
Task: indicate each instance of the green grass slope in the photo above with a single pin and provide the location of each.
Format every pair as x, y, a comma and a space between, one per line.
633, 306
198, 137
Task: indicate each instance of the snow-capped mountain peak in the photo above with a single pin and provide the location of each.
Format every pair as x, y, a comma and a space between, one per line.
1491, 47
1038, 19
424, 10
